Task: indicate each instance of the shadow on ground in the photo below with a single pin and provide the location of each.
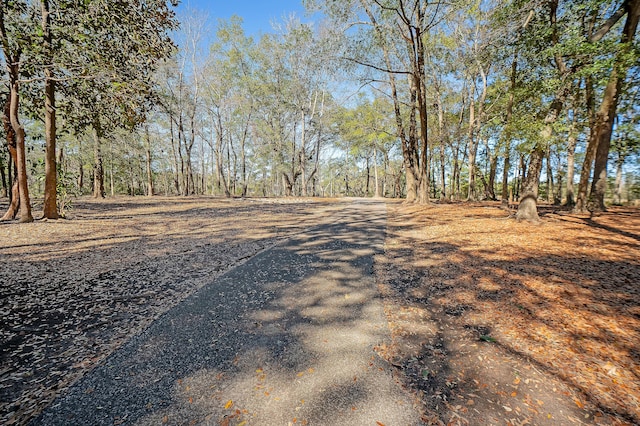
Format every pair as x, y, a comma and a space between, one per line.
286, 338
490, 325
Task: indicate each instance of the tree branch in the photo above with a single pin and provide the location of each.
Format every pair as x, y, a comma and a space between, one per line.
606, 27
375, 67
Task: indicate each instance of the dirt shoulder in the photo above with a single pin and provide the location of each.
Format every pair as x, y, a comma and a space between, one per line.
74, 290
500, 322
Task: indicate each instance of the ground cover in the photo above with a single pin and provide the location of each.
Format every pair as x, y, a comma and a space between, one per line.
493, 321
501, 322
74, 290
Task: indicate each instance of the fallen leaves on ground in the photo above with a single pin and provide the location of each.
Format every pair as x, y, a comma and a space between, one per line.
75, 290
539, 322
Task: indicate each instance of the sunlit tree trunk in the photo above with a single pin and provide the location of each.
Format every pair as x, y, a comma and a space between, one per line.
12, 63
527, 208
472, 144
550, 185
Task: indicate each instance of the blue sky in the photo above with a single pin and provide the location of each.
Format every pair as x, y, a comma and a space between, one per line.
257, 14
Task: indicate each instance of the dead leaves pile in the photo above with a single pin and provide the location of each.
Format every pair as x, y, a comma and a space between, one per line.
557, 303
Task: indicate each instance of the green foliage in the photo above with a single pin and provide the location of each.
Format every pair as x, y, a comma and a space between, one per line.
368, 126
278, 105
67, 191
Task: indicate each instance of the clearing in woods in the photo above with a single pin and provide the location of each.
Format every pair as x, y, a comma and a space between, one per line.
493, 321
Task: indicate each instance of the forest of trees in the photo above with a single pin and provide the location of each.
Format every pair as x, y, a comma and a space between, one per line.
512, 100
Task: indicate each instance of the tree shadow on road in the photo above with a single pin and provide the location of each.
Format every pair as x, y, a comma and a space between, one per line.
287, 337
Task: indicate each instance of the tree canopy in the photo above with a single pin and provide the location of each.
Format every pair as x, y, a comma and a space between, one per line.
396, 98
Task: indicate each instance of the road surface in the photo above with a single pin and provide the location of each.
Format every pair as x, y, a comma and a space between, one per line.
287, 338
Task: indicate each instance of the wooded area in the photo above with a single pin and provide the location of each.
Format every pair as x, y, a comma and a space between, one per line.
240, 141
514, 100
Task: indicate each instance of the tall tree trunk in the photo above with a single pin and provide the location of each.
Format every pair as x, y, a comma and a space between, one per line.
420, 78
412, 147
243, 158
229, 172
12, 64
507, 142
176, 166
303, 154
606, 114
14, 195
587, 164
184, 176
189, 184
472, 144
617, 195
475, 123
21, 160
491, 185
150, 188
443, 141
424, 169
112, 175
203, 169
375, 172
50, 207
316, 162
98, 167
571, 159
549, 177
407, 141
3, 178
527, 208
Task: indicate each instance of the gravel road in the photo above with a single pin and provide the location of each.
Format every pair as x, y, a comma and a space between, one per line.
287, 338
